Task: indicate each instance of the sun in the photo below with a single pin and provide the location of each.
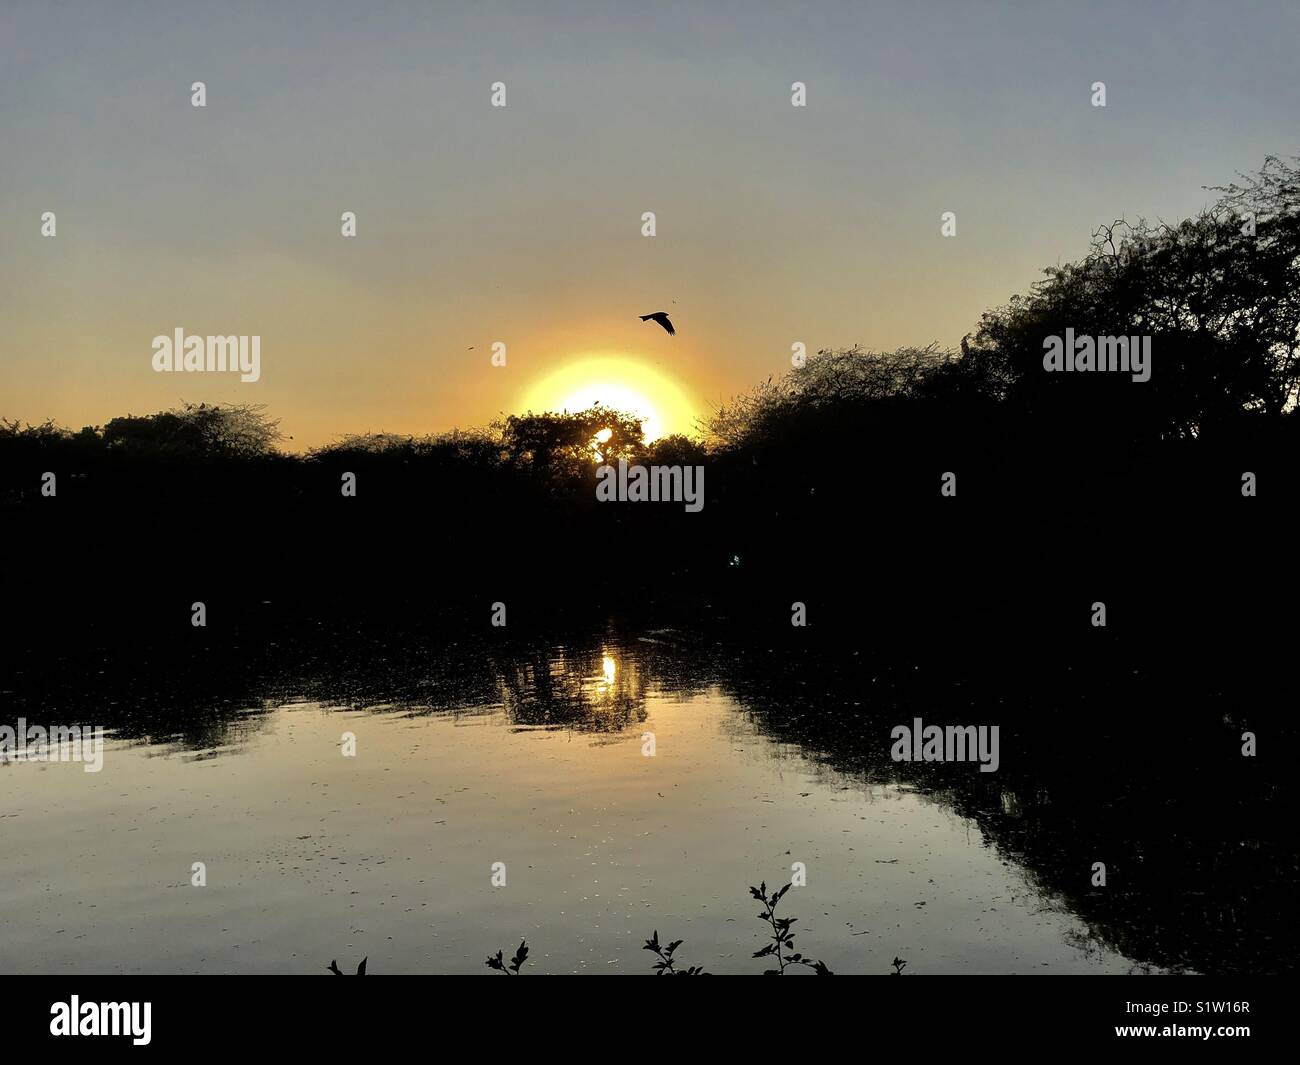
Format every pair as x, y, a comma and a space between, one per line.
620, 383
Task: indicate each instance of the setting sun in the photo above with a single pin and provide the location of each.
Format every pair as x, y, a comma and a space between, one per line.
621, 384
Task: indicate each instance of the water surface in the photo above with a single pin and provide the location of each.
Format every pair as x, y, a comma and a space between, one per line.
535, 758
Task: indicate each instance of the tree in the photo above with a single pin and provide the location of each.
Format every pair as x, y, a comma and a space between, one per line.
193, 431
832, 386
571, 444
1219, 295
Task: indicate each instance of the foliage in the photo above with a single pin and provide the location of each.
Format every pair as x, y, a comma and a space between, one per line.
828, 382
1219, 294
665, 966
230, 431
782, 945
511, 968
566, 443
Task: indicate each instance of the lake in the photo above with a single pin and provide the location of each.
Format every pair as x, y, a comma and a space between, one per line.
628, 783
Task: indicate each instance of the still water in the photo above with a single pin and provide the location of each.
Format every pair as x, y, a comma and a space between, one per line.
539, 760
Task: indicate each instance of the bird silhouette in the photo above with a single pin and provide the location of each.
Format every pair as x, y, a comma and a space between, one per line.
361, 969
662, 318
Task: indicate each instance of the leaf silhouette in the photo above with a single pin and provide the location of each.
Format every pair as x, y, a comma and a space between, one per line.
782, 937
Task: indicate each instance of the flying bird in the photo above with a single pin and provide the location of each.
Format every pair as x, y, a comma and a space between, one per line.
361, 969
662, 318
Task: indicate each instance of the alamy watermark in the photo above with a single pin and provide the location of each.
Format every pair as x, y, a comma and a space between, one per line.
75, 1017
655, 484
1086, 353
61, 743
946, 743
195, 354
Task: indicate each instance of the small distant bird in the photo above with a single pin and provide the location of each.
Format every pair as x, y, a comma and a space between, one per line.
662, 318
361, 969
965, 347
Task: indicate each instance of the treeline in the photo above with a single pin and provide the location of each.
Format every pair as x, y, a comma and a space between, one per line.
823, 478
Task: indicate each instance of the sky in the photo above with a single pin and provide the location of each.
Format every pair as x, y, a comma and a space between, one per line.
522, 224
